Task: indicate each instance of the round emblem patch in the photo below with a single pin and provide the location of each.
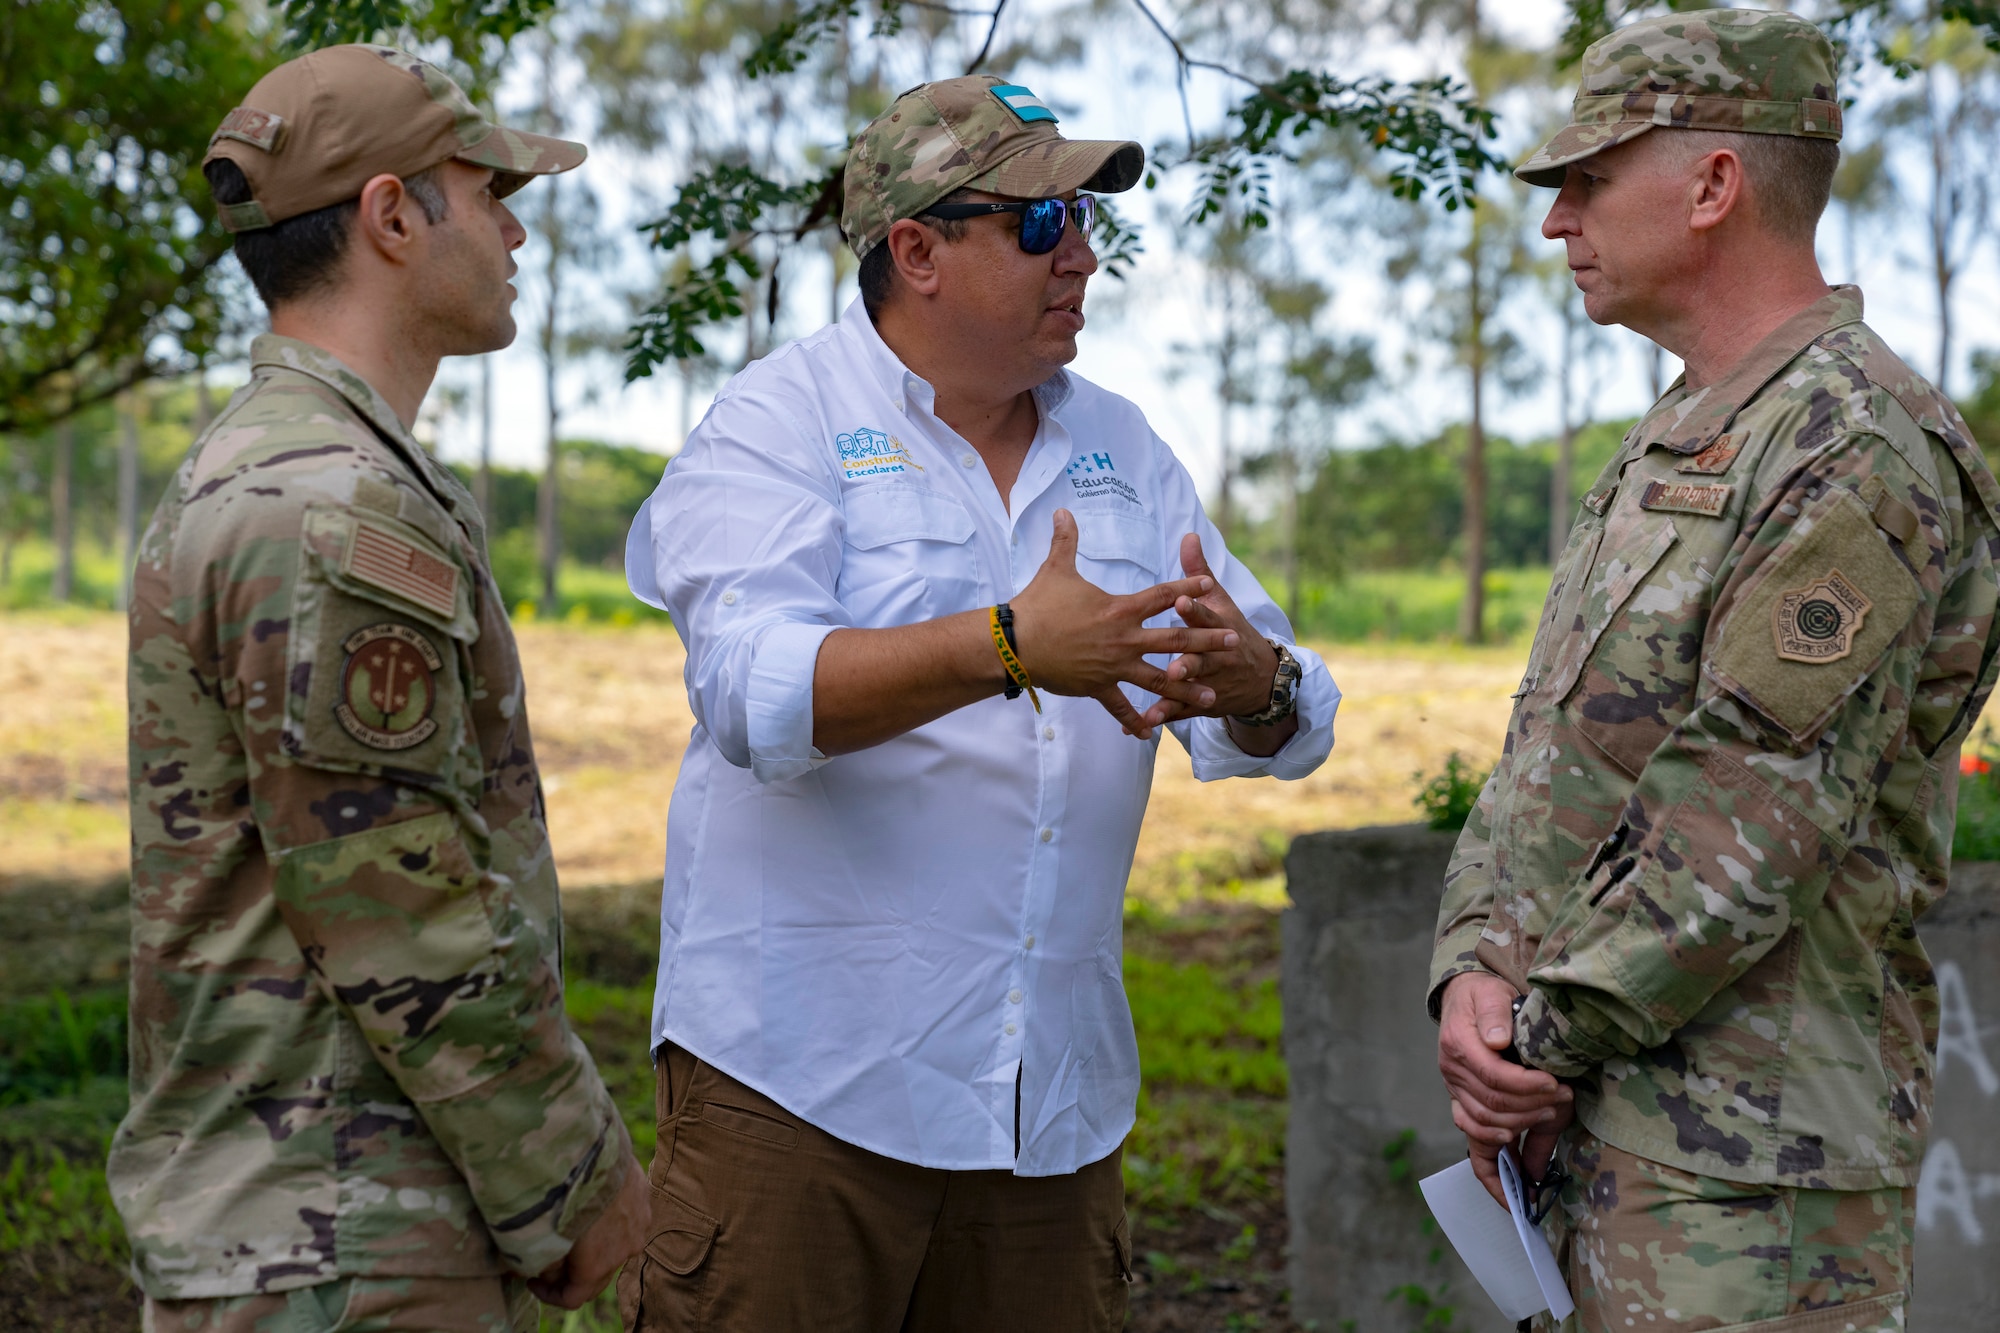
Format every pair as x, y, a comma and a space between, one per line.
388, 687
1817, 623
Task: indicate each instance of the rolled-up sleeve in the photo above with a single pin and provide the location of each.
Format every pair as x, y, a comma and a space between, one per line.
1210, 748
741, 544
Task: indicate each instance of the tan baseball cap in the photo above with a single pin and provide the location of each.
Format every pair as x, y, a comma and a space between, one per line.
316, 129
977, 132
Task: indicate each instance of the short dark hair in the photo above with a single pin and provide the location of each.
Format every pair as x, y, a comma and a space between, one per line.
878, 269
1790, 175
294, 258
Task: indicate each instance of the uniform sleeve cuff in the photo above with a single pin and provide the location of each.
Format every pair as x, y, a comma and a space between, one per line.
1549, 1039
780, 701
1453, 956
590, 1199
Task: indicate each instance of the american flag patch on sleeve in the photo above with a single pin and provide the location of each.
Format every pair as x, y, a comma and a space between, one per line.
395, 564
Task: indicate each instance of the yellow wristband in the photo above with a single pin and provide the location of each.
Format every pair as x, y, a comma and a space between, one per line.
1015, 671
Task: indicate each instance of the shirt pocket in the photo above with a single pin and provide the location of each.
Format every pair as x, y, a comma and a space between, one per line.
381, 631
1117, 551
1629, 549
908, 557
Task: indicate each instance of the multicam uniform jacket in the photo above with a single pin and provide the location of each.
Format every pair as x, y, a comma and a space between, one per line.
1729, 784
349, 1054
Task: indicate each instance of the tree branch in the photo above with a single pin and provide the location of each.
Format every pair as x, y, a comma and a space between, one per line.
999, 7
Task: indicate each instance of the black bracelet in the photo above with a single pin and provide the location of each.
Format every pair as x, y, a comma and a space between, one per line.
1007, 628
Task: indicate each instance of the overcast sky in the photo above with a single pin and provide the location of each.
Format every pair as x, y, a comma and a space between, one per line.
1125, 90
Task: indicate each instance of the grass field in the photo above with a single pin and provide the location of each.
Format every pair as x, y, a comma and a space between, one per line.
1204, 1166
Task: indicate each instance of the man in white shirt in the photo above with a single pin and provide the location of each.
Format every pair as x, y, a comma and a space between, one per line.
895, 1061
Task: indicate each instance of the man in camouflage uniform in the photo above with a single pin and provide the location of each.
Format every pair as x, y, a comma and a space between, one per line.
356, 1102
1728, 787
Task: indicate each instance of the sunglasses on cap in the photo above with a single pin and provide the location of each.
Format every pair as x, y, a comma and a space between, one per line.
1042, 220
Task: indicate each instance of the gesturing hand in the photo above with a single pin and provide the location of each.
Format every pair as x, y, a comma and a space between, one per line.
1076, 639
1493, 1100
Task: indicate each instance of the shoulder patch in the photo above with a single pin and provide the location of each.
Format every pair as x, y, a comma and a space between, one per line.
386, 560
1686, 497
1817, 623
1817, 618
388, 686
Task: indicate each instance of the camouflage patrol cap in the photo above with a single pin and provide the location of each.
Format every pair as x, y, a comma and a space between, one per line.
972, 133
315, 130
1747, 71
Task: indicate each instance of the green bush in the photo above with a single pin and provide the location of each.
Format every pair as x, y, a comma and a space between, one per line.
1447, 798
52, 1046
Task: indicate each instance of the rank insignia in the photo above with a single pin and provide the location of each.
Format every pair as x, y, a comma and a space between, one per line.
1716, 458
1685, 497
388, 687
1817, 623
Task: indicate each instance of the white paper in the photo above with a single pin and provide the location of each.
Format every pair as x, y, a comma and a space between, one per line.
1509, 1256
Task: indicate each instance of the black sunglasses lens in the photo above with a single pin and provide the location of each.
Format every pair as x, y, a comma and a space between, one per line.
1042, 225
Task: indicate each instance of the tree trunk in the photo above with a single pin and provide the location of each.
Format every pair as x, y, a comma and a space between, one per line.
1941, 210
62, 516
128, 493
1472, 612
547, 513
1288, 472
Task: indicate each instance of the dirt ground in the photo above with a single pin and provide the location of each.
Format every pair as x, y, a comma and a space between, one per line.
611, 722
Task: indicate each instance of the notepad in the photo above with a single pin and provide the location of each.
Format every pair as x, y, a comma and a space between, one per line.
1505, 1251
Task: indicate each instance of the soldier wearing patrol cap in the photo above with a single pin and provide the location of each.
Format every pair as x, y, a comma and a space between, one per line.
916, 561
1728, 787
356, 1102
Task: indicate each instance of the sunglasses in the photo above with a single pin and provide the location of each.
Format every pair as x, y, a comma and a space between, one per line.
1042, 220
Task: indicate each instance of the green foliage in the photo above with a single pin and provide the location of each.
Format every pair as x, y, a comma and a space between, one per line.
107, 250
48, 1200
1202, 1030
311, 23
1976, 837
52, 1046
1447, 798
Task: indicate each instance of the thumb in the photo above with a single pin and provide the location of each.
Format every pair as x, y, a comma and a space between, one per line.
1494, 1017
1062, 546
1193, 561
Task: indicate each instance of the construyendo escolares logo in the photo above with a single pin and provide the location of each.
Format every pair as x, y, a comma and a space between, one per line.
1093, 474
872, 453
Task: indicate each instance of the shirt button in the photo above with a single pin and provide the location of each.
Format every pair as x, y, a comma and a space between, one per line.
1047, 834
1048, 733
729, 599
1011, 1029
1013, 997
1028, 943
970, 460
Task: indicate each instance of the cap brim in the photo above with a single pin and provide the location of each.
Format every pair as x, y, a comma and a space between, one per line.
1057, 166
1573, 143
517, 155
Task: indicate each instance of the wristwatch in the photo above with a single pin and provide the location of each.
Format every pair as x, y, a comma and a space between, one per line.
1284, 690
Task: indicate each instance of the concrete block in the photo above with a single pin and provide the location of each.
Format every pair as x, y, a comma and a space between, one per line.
1363, 1065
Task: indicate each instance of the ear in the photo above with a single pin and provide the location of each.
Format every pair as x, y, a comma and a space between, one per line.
387, 222
913, 249
1717, 186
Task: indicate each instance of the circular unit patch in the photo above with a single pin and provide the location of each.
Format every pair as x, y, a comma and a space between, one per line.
388, 687
1817, 623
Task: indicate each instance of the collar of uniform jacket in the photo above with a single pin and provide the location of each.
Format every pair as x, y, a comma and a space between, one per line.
1688, 425
270, 349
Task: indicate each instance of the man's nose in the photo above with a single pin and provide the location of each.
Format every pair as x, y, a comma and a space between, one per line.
1561, 220
1073, 252
511, 230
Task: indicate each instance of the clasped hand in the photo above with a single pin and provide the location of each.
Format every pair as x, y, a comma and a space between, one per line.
1074, 638
1495, 1102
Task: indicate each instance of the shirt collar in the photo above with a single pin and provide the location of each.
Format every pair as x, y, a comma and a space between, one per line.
1688, 423
270, 349
904, 386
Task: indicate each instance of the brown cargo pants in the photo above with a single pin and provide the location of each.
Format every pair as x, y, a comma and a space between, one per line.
764, 1224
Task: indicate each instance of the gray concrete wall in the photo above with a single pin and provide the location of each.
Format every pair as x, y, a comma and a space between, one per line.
1363, 1060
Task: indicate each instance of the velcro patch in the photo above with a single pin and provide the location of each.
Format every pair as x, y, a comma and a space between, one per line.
246, 124
381, 558
1021, 102
1817, 623
1715, 460
1682, 497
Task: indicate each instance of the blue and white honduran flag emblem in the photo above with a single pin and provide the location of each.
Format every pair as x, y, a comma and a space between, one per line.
1022, 102
866, 452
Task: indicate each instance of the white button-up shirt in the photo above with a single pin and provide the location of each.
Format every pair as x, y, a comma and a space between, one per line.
885, 941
